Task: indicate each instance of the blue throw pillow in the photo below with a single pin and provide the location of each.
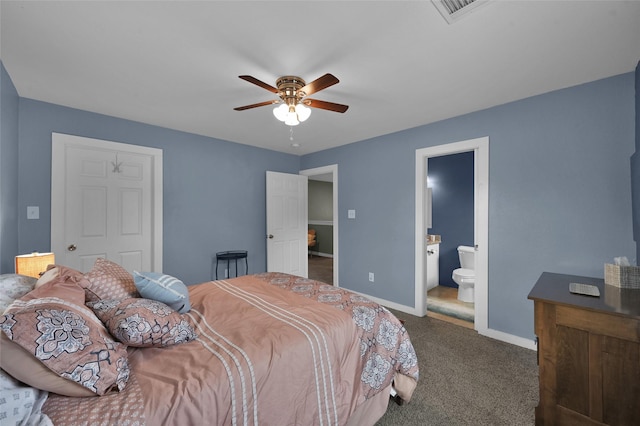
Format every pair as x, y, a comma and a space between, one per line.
163, 288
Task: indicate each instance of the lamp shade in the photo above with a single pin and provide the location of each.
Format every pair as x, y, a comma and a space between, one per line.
303, 112
281, 111
34, 264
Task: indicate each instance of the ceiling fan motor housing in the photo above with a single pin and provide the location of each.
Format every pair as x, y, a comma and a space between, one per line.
289, 89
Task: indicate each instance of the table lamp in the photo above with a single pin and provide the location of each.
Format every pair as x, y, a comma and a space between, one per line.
34, 264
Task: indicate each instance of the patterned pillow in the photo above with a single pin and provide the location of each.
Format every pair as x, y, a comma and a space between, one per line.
108, 280
52, 324
25, 367
55, 271
13, 286
143, 322
163, 288
60, 287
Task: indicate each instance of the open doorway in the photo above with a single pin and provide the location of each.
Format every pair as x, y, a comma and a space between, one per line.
480, 149
323, 221
450, 237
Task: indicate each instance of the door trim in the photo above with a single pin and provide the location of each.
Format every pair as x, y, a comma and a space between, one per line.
333, 169
480, 147
59, 141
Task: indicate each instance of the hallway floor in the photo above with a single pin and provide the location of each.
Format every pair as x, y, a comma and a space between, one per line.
321, 269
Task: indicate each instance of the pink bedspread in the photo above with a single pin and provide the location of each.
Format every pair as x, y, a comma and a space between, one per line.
264, 355
385, 346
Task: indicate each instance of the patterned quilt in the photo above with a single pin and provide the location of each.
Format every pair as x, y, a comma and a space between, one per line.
384, 342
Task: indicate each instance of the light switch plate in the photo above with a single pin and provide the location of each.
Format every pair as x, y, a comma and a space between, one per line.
351, 214
33, 212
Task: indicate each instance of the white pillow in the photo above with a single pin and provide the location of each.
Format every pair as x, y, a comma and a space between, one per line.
12, 287
21, 405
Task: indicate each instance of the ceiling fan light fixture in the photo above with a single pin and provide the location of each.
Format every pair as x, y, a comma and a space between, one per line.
292, 119
303, 112
281, 111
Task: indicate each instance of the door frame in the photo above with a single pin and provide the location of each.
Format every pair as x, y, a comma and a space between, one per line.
333, 170
59, 141
480, 148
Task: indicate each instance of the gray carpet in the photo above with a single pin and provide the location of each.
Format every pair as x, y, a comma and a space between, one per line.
466, 379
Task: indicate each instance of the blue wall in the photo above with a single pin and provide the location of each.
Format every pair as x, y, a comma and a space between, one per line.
451, 178
8, 171
214, 191
559, 200
559, 195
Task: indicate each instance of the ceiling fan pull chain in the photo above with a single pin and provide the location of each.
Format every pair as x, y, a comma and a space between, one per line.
291, 134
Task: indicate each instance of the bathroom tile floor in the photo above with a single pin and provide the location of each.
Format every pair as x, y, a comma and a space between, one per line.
443, 303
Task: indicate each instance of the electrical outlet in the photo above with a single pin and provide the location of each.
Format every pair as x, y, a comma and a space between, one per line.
371, 278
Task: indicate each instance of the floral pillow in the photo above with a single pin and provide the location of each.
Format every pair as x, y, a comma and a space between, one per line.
53, 326
143, 322
108, 280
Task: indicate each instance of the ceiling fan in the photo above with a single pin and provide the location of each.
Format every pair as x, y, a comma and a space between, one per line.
293, 92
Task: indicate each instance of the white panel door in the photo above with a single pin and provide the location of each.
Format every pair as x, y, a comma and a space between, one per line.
102, 204
287, 223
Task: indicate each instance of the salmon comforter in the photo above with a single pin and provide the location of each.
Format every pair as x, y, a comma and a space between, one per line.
272, 349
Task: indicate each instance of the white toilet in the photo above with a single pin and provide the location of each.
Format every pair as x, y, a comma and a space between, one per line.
465, 276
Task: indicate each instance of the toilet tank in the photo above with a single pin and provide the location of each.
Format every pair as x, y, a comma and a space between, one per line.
467, 257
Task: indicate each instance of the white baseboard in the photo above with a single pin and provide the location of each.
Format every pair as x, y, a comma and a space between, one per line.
509, 338
489, 332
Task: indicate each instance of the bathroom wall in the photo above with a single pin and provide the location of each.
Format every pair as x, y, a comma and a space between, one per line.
321, 214
451, 181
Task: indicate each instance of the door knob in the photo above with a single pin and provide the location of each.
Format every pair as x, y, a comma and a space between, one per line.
270, 236
72, 247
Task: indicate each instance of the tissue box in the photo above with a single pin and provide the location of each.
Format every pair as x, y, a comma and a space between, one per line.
622, 276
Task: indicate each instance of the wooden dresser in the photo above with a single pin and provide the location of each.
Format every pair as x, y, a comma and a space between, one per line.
588, 353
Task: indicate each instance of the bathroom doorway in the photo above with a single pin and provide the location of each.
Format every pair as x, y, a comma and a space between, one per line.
323, 221
480, 149
450, 185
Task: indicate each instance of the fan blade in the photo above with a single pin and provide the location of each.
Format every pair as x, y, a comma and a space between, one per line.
314, 103
242, 108
320, 83
257, 82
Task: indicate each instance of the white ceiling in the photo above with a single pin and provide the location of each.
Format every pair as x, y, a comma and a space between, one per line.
176, 64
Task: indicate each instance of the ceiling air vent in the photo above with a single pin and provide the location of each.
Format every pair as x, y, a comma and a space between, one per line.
452, 10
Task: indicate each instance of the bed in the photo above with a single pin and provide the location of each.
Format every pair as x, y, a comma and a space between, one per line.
267, 348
